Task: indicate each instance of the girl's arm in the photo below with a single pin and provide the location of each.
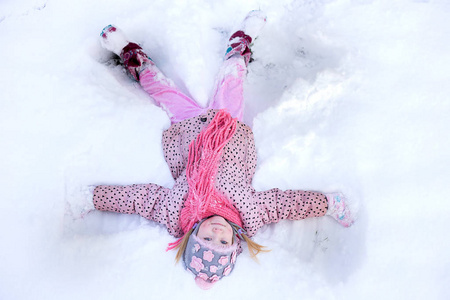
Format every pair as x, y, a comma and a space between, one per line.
150, 201
276, 205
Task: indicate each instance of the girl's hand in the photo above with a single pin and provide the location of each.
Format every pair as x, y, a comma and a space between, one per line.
338, 209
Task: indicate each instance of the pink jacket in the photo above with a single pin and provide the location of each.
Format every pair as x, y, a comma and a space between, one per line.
234, 180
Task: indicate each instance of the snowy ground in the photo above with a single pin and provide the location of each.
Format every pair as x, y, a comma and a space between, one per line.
342, 95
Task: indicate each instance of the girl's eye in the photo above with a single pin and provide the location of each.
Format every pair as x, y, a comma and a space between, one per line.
207, 239
224, 242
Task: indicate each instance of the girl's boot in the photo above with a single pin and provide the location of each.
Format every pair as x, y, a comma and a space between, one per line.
133, 57
241, 41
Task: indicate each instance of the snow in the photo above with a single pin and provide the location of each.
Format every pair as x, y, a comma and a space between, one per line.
342, 95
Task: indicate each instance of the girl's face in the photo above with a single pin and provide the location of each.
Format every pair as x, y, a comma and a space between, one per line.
216, 230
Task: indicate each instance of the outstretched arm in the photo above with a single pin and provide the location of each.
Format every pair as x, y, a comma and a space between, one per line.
150, 201
276, 205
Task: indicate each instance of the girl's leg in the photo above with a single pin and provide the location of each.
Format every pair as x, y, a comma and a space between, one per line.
177, 105
229, 91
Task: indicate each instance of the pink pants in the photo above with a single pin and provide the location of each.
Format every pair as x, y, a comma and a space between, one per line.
228, 92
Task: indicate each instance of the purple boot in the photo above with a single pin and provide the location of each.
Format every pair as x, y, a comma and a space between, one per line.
241, 41
133, 57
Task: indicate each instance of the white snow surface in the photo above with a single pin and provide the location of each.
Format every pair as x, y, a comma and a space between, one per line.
343, 95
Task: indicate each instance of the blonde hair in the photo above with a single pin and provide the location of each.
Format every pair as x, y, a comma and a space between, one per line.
182, 245
253, 247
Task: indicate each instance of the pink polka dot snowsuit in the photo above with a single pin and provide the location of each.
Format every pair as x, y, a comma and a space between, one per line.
234, 180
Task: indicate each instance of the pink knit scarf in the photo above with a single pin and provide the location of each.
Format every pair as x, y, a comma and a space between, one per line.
203, 200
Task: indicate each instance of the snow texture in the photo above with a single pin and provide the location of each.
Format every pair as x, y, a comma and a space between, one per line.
343, 95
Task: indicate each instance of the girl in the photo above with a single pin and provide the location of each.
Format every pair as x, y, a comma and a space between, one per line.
211, 154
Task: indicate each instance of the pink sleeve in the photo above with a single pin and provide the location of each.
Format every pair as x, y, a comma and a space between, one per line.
276, 205
150, 201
